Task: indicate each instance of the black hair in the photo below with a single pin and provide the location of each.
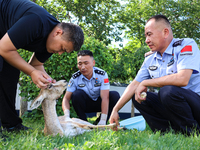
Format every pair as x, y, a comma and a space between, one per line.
73, 33
85, 53
159, 18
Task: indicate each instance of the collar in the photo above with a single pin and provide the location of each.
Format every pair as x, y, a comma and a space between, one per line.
170, 47
167, 51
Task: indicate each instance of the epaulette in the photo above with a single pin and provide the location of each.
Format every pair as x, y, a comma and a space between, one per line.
99, 72
76, 74
177, 43
148, 53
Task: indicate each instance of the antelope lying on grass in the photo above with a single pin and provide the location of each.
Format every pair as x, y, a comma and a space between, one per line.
60, 125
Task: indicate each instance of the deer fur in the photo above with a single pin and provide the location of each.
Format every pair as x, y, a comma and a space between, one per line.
60, 125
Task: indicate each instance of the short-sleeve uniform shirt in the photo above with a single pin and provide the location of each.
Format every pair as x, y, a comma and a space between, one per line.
180, 54
92, 87
28, 26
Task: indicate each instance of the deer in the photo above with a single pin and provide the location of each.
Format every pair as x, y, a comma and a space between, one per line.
62, 125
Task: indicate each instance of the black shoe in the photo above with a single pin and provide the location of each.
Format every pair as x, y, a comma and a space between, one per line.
97, 120
18, 127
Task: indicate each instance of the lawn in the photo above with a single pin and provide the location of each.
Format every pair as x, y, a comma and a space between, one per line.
98, 140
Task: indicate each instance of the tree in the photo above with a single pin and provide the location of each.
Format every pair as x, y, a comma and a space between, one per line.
183, 15
94, 17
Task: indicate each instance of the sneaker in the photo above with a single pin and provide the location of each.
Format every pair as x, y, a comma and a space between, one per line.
18, 127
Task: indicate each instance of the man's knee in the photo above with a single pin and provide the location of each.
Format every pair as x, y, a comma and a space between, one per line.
77, 95
167, 92
114, 96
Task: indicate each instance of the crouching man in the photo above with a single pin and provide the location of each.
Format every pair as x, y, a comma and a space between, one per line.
175, 68
89, 90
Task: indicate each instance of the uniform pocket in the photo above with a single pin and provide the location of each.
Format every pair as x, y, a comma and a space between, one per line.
96, 90
154, 74
171, 69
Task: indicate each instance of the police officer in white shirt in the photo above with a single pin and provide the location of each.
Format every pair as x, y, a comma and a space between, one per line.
89, 90
174, 67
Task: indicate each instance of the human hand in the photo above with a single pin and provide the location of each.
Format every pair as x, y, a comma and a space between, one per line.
41, 79
50, 79
140, 93
103, 119
114, 118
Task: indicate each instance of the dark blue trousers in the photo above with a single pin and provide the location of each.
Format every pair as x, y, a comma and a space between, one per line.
171, 108
82, 103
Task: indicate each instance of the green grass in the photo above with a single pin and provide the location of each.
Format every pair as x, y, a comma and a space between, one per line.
98, 140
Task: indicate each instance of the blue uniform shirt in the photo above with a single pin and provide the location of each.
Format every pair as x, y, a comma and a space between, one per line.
92, 87
180, 54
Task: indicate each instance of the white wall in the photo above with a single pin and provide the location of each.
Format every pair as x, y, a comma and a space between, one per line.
17, 102
127, 107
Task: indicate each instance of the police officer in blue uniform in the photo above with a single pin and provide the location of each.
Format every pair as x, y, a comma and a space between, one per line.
89, 90
175, 68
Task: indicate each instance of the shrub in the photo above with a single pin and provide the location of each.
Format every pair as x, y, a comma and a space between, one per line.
127, 63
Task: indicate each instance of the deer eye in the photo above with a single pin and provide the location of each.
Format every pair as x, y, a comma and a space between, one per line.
50, 86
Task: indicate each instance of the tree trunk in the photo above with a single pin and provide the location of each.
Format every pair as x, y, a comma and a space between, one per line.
23, 106
132, 111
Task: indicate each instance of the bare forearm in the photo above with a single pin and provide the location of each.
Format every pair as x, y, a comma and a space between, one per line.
40, 67
14, 59
104, 106
36, 64
9, 52
66, 100
65, 104
179, 79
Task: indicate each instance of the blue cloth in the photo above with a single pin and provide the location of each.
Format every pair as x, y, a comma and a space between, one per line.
180, 54
92, 87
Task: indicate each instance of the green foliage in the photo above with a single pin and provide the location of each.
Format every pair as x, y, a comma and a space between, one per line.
127, 62
105, 19
94, 17
62, 67
101, 53
182, 14
138, 59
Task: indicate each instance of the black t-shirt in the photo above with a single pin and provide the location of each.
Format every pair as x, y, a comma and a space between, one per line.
28, 26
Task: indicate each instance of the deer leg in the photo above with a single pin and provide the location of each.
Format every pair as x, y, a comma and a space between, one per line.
90, 127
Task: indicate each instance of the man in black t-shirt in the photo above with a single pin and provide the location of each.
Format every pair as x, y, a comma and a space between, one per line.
23, 24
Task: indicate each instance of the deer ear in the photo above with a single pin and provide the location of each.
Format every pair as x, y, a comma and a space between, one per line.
37, 101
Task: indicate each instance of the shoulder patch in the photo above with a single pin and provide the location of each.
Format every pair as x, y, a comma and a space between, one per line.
177, 43
76, 74
99, 72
